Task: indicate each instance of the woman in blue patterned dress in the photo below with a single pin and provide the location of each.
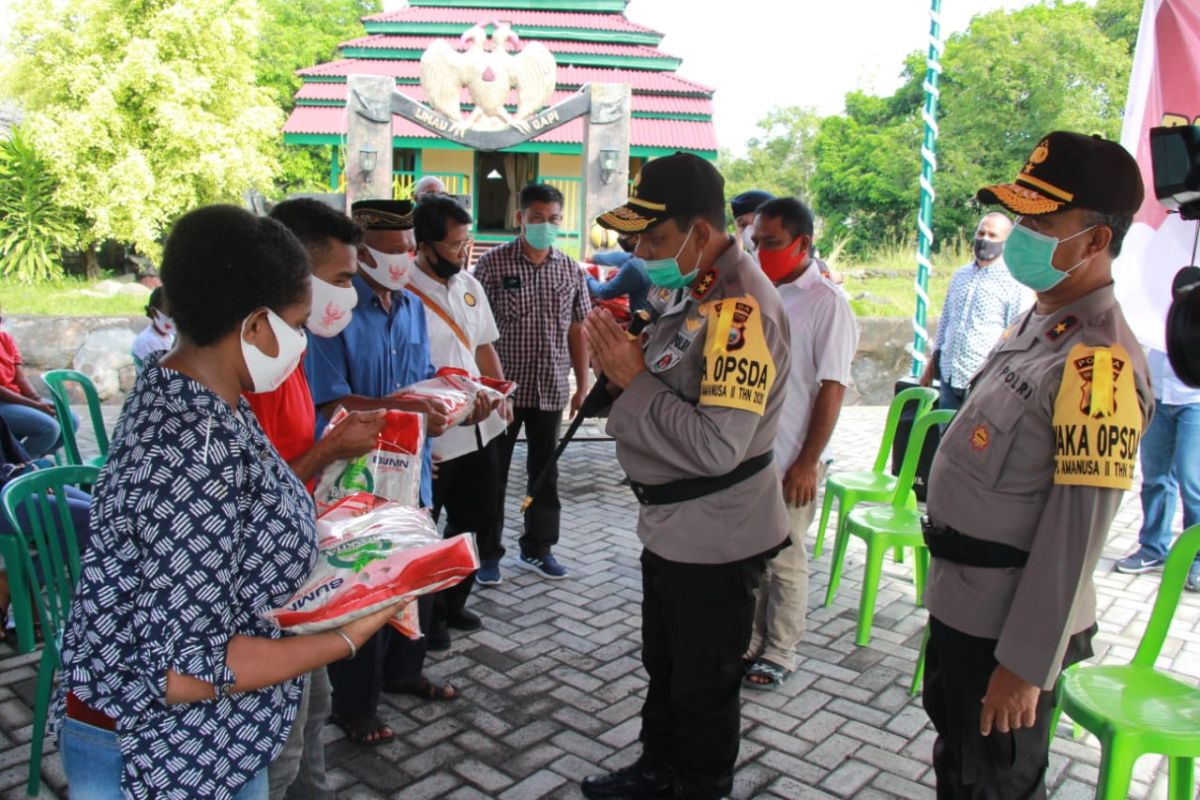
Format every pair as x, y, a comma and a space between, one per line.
172, 685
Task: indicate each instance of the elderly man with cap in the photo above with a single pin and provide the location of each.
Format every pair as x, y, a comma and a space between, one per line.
1030, 473
696, 406
385, 347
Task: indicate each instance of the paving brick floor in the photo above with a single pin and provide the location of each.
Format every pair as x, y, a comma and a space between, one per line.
552, 686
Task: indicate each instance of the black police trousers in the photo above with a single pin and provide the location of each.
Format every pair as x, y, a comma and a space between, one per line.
969, 766
696, 625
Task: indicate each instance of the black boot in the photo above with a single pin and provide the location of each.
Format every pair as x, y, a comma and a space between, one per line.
638, 781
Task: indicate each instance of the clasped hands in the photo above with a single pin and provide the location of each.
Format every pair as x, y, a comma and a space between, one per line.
619, 357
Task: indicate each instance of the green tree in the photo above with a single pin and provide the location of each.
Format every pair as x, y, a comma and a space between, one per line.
1011, 77
34, 228
149, 107
298, 34
779, 160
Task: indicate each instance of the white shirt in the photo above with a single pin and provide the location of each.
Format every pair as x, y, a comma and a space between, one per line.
151, 341
824, 340
1168, 389
464, 300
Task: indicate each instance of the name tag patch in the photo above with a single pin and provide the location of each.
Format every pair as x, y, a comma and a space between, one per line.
1097, 419
511, 282
738, 368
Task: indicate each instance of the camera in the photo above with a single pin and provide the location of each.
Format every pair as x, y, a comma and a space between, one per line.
1175, 157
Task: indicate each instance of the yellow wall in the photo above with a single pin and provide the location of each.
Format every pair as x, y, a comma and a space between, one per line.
447, 161
560, 166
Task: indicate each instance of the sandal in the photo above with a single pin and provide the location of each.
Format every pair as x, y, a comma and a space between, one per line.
424, 688
368, 732
765, 675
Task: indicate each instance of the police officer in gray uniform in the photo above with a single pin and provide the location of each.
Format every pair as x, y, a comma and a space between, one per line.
694, 422
1030, 474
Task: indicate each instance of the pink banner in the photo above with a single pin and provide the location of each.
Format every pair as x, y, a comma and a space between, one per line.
1164, 89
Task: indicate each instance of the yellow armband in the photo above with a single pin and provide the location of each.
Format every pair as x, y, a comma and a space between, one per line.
1097, 419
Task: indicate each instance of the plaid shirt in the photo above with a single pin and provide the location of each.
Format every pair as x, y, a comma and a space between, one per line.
534, 306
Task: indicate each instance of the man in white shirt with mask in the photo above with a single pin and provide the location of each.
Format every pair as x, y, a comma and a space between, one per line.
462, 331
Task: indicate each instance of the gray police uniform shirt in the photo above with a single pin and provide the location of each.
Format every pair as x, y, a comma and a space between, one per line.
1038, 458
717, 363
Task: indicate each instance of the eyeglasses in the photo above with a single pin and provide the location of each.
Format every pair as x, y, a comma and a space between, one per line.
461, 248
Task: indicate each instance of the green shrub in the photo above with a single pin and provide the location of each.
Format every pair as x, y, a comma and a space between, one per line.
34, 229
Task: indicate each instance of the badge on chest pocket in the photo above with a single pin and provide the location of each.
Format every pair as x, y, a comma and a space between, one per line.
679, 345
511, 283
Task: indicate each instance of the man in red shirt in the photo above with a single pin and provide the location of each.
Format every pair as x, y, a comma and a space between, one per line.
288, 417
31, 419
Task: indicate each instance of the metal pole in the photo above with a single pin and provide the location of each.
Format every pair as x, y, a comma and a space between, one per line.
933, 68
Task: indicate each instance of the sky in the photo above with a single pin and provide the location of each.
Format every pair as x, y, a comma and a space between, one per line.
748, 50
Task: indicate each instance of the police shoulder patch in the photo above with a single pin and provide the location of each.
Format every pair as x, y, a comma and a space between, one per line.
1097, 419
739, 370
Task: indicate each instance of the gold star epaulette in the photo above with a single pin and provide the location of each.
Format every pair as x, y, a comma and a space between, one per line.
1061, 327
703, 286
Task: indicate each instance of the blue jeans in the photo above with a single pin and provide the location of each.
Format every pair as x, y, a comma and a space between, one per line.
949, 398
1170, 469
38, 432
92, 763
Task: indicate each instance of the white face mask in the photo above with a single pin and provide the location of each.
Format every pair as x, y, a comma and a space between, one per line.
164, 323
392, 269
332, 308
267, 373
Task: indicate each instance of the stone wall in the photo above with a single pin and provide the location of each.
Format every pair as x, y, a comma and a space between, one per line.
99, 348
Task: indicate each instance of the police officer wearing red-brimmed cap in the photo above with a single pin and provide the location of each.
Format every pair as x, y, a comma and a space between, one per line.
1030, 474
694, 423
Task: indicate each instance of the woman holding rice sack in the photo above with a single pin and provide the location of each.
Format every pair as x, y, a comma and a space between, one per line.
172, 685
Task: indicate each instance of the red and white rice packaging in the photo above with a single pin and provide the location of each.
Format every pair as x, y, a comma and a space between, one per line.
391, 471
458, 390
374, 552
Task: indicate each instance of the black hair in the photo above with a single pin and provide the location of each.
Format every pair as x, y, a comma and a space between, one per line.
314, 223
796, 218
714, 217
434, 212
156, 301
1117, 223
540, 193
221, 263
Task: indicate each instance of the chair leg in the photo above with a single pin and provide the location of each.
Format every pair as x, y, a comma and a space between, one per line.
826, 507
840, 540
41, 707
19, 596
1116, 770
1181, 779
920, 573
898, 554
870, 588
919, 673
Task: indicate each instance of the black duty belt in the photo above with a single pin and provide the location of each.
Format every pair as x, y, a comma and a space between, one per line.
951, 545
684, 489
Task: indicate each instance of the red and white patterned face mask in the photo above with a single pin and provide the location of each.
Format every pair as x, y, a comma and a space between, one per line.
390, 270
332, 308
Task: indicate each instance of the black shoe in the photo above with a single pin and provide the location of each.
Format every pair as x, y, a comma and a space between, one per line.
464, 621
438, 639
638, 781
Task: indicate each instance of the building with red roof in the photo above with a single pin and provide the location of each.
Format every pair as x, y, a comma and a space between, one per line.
592, 42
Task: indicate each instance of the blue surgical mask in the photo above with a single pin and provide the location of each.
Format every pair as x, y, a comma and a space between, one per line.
664, 272
541, 235
1029, 256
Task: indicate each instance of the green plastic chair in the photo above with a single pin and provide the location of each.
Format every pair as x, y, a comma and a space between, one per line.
896, 525
57, 380
47, 516
876, 486
1135, 709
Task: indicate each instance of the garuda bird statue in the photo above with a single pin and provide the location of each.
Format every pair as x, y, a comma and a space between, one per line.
489, 72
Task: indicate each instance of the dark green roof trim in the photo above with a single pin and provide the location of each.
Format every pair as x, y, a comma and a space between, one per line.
525, 31
337, 103
661, 64
529, 5
559, 148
